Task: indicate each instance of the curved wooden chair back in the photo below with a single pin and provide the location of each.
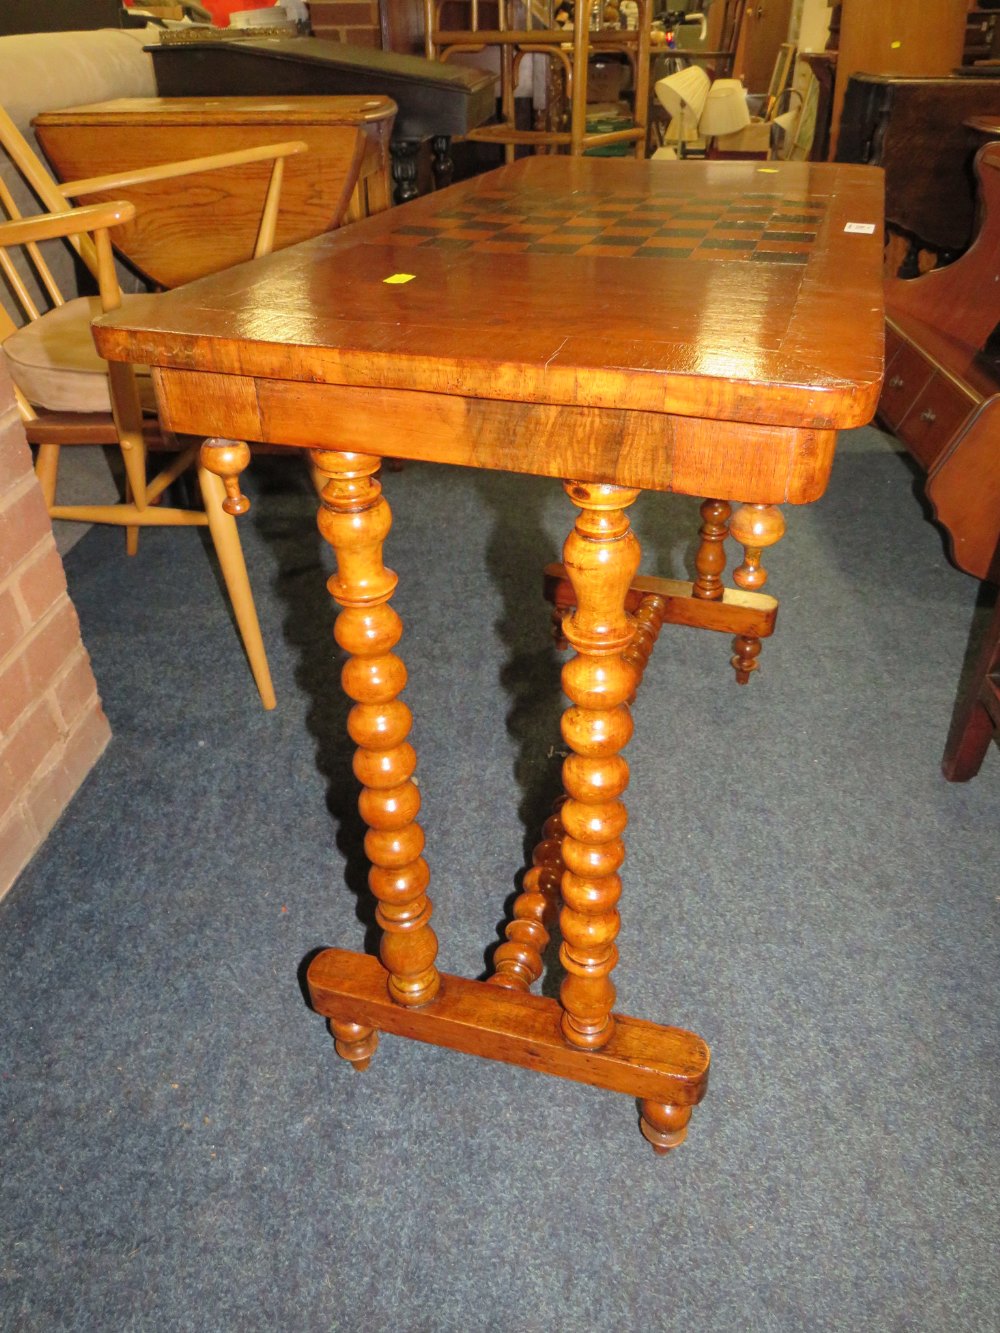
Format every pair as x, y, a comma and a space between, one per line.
126, 423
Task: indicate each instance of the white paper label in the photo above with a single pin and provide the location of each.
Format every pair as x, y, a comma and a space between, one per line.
860, 228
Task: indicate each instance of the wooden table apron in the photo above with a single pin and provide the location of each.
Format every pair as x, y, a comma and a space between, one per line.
704, 328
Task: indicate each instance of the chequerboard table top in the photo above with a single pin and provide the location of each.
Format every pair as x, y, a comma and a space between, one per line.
738, 290
751, 224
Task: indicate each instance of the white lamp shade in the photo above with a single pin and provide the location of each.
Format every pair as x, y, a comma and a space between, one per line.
725, 109
683, 95
788, 121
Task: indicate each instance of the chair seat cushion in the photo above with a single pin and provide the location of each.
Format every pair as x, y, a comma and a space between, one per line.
54, 362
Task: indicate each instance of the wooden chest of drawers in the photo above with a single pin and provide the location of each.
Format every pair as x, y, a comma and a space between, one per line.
928, 399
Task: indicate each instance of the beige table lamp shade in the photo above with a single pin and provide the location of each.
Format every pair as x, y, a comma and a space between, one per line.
683, 96
725, 110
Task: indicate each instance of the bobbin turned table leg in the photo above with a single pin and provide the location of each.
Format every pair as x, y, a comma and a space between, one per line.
710, 559
518, 961
601, 556
355, 519
665, 1068
354, 1042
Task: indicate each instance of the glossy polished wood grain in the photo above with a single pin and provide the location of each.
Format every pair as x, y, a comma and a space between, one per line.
727, 364
199, 225
704, 328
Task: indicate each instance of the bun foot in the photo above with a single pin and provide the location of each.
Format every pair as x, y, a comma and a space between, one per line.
665, 1127
354, 1043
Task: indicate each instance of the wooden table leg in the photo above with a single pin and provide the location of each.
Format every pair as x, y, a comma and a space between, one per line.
403, 154
710, 559
665, 1068
601, 558
518, 961
354, 518
442, 164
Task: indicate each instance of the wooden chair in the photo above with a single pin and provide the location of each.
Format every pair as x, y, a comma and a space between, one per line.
69, 396
572, 50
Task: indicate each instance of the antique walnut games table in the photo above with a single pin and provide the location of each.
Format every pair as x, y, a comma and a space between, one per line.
698, 327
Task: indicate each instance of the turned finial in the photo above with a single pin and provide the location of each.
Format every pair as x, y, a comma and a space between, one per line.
227, 459
755, 527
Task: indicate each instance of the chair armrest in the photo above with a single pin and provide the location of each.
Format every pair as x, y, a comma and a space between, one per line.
50, 226
189, 167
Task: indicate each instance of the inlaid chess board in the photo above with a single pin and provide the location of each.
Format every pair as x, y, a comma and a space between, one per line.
757, 226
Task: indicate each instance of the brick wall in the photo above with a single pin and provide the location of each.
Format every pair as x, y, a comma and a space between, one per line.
354, 21
52, 726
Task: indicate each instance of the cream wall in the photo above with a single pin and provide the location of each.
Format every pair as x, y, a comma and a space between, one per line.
813, 26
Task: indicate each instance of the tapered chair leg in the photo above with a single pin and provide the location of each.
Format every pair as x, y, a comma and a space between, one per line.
47, 471
131, 532
226, 541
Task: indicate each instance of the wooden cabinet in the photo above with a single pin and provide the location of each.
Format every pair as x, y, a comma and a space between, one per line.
907, 373
922, 401
931, 393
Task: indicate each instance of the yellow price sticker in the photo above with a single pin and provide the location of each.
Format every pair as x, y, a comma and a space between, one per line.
768, 171
399, 278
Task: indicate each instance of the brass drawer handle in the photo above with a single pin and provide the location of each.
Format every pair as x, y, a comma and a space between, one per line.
929, 416
896, 382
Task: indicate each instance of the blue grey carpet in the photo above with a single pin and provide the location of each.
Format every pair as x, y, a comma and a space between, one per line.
182, 1150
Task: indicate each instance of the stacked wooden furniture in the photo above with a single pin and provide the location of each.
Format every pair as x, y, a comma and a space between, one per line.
942, 398
345, 174
571, 51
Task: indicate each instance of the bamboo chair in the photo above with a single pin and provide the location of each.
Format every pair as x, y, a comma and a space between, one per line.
69, 396
571, 50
